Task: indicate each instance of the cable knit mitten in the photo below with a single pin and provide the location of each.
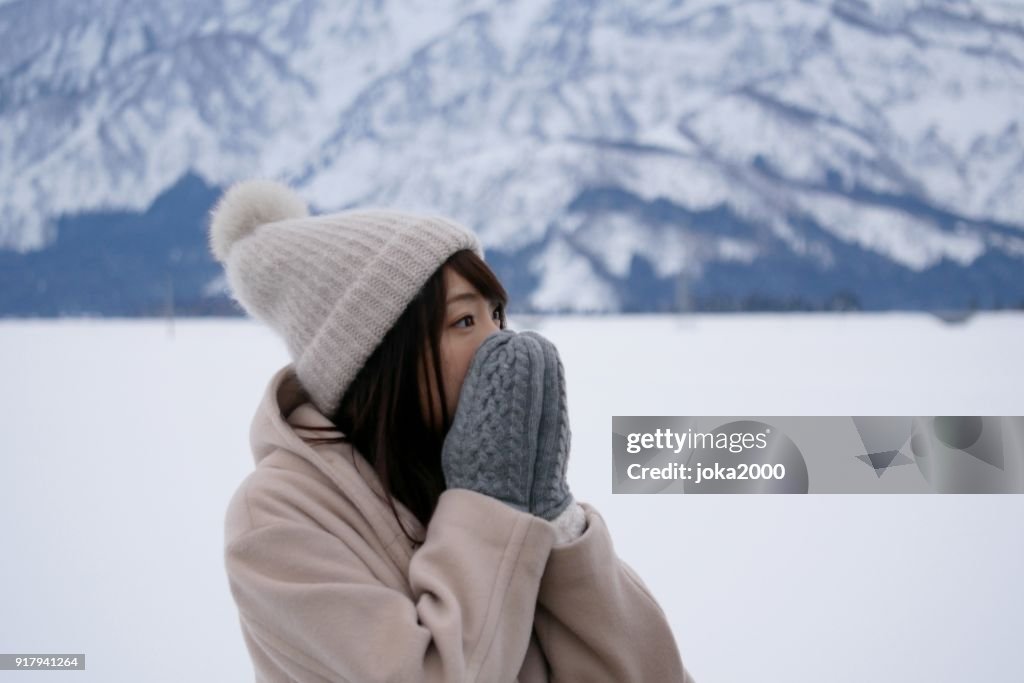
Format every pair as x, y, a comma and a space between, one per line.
491, 446
550, 494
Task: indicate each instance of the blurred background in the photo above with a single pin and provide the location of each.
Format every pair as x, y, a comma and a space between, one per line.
746, 208
655, 156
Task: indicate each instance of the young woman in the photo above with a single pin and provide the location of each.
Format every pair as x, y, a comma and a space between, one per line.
408, 517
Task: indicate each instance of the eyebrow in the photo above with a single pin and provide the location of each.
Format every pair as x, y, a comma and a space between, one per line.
462, 297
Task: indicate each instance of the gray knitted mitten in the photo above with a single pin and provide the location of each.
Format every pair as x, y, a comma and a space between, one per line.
492, 443
550, 494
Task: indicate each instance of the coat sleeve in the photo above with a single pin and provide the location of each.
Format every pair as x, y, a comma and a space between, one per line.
596, 619
309, 605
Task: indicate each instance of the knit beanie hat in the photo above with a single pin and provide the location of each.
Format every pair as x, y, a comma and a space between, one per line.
330, 285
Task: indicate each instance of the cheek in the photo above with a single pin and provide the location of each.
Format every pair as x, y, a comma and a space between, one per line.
456, 365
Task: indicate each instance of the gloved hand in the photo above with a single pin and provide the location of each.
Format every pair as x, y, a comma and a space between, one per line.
550, 494
491, 446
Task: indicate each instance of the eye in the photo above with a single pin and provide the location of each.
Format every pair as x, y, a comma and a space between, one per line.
496, 315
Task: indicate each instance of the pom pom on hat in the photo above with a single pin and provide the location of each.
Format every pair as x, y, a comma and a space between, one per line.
247, 205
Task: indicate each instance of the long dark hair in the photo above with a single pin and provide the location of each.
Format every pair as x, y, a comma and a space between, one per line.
380, 413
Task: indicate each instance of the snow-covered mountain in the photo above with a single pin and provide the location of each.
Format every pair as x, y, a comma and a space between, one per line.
611, 157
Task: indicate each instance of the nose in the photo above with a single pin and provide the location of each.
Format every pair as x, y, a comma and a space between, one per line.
497, 332
490, 333
495, 326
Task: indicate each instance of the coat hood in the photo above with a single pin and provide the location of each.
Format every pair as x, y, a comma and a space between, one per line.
277, 430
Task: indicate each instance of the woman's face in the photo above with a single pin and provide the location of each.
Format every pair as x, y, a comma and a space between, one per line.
468, 320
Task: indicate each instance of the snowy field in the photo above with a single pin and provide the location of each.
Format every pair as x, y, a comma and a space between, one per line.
123, 441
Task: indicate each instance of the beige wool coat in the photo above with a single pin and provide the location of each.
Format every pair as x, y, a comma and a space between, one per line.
328, 588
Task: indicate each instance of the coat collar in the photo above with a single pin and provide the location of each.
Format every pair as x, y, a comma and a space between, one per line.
283, 410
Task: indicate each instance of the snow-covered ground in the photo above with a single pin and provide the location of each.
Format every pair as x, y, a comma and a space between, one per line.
123, 440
